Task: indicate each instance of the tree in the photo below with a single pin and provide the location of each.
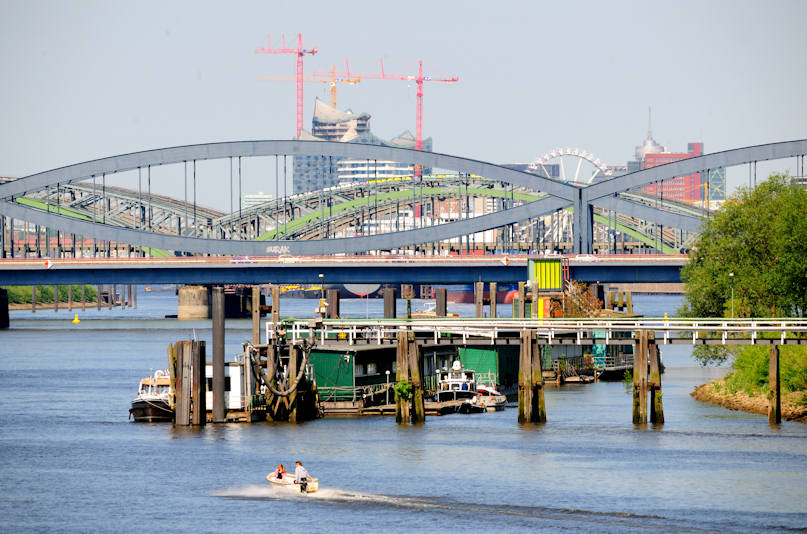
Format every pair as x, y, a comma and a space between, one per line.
759, 235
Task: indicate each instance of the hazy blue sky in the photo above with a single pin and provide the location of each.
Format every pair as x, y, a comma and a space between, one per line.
83, 80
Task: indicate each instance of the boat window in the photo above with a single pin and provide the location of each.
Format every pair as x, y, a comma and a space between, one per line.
371, 369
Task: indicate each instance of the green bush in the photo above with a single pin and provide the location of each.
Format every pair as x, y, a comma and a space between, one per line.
44, 294
751, 370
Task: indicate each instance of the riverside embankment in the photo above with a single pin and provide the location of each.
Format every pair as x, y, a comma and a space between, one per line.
794, 404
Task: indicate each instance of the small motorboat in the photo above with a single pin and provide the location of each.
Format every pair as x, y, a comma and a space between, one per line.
153, 401
489, 397
287, 482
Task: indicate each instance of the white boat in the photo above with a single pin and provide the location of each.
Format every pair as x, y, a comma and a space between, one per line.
287, 482
153, 401
459, 384
490, 398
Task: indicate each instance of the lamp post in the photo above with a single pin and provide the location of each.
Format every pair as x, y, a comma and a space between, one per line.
387, 373
731, 279
321, 285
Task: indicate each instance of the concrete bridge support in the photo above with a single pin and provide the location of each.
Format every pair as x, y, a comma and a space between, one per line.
193, 303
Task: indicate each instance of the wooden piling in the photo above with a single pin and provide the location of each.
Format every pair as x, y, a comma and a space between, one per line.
415, 357
402, 408
656, 406
522, 300
256, 315
534, 299
271, 350
33, 299
134, 299
198, 383
183, 392
99, 290
275, 305
538, 411
493, 294
83, 297
294, 361
55, 298
333, 304
389, 303
110, 300
219, 409
525, 378
4, 319
479, 296
441, 309
640, 378
775, 394
69, 298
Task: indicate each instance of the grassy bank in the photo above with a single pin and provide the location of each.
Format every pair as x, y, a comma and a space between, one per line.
44, 294
746, 387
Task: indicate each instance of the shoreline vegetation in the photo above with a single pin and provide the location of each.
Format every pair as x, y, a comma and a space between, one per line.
748, 261
794, 404
19, 297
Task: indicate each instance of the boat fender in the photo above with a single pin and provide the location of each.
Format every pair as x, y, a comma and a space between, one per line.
159, 374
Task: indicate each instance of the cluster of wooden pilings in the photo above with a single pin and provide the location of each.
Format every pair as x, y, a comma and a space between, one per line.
531, 408
186, 361
646, 379
409, 407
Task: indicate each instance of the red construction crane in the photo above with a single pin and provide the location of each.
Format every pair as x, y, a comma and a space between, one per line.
331, 80
300, 51
417, 78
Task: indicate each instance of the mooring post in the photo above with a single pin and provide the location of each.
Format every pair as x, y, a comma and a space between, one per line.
275, 305
183, 408
415, 358
55, 298
98, 292
538, 410
522, 299
294, 353
198, 384
4, 322
534, 310
111, 296
333, 303
440, 309
134, 299
219, 410
525, 378
389, 303
656, 406
479, 296
256, 315
33, 299
493, 294
774, 396
640, 378
271, 351
402, 375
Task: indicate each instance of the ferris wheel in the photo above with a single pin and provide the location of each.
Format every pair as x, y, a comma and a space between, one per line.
586, 165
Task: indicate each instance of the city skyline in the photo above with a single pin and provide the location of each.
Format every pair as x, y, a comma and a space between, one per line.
95, 79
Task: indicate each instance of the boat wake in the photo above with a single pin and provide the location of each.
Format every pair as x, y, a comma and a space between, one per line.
340, 496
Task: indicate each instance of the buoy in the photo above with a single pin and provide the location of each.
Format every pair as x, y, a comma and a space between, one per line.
76, 319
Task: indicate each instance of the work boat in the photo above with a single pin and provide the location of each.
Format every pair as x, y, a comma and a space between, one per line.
458, 384
153, 401
287, 482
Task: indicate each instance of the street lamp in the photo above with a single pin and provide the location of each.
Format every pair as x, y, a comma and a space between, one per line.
321, 285
387, 372
731, 279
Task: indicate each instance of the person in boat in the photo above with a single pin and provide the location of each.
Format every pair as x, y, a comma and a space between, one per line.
279, 472
300, 476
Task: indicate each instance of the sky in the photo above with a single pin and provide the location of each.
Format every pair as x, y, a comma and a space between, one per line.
84, 80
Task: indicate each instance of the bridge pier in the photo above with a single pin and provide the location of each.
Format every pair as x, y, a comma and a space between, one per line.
4, 321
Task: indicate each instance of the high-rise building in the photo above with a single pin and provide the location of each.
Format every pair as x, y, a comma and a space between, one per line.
329, 124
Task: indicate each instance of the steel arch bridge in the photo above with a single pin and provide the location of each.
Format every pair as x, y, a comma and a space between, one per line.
537, 196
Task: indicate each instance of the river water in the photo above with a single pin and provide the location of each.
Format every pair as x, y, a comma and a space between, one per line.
70, 461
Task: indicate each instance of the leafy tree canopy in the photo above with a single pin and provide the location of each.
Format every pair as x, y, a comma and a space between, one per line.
760, 235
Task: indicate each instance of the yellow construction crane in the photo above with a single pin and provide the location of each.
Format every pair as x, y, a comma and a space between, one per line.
332, 79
